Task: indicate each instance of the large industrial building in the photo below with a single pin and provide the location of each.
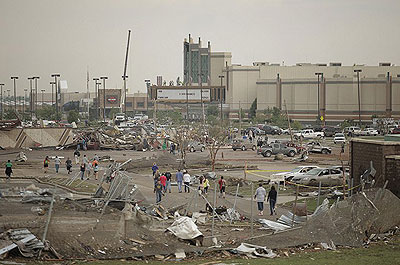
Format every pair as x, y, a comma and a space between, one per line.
306, 90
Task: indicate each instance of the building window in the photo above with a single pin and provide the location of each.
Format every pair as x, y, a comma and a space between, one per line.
140, 104
128, 104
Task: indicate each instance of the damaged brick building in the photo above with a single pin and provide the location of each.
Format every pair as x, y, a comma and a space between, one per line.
385, 157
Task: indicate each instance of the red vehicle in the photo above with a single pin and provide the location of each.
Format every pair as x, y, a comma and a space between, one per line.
396, 130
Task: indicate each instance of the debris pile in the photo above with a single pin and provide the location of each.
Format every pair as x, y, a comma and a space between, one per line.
346, 223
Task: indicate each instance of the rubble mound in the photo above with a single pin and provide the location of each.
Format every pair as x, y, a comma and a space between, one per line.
346, 223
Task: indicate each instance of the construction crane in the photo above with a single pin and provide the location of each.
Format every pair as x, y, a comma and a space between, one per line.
124, 77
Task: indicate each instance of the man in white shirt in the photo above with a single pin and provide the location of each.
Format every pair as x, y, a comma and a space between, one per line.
186, 181
260, 198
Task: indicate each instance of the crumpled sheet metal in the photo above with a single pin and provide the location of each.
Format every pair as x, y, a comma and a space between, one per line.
255, 250
27, 243
184, 228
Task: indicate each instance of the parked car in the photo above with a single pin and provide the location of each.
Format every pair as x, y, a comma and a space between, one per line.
287, 176
196, 146
316, 147
352, 131
277, 148
243, 144
369, 131
395, 130
339, 138
309, 134
330, 131
255, 130
327, 177
270, 129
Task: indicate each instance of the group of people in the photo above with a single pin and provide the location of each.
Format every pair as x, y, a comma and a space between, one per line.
162, 182
86, 166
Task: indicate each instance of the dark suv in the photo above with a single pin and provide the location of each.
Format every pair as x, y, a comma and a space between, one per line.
269, 129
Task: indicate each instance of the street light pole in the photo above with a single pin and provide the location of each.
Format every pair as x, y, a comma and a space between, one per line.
358, 71
318, 74
220, 96
9, 99
147, 81
96, 95
56, 89
36, 93
23, 106
1, 100
52, 93
42, 97
14, 78
104, 78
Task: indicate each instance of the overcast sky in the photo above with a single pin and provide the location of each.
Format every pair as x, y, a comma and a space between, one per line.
41, 37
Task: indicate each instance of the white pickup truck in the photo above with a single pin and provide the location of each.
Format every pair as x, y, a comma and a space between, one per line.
308, 134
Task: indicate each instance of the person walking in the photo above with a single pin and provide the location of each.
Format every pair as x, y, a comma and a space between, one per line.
154, 168
158, 190
95, 169
222, 187
206, 184
68, 164
260, 198
88, 170
163, 180
57, 163
9, 170
156, 177
85, 161
179, 180
168, 176
46, 163
272, 196
77, 155
186, 181
82, 171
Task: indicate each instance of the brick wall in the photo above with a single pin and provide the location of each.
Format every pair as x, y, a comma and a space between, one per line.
392, 174
364, 151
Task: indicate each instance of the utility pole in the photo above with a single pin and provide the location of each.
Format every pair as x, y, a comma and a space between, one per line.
1, 96
124, 77
56, 89
14, 78
104, 78
288, 119
23, 106
220, 96
88, 93
240, 121
358, 71
322, 75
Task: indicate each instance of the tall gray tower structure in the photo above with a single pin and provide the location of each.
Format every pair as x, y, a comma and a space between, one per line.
196, 62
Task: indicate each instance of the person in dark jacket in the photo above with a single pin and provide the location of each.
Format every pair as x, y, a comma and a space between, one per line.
8, 169
272, 199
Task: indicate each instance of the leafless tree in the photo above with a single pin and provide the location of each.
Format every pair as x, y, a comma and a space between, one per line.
216, 136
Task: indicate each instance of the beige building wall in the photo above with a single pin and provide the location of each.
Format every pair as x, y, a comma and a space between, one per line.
242, 86
396, 95
219, 60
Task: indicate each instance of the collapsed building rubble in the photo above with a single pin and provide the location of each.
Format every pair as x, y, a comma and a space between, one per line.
346, 223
